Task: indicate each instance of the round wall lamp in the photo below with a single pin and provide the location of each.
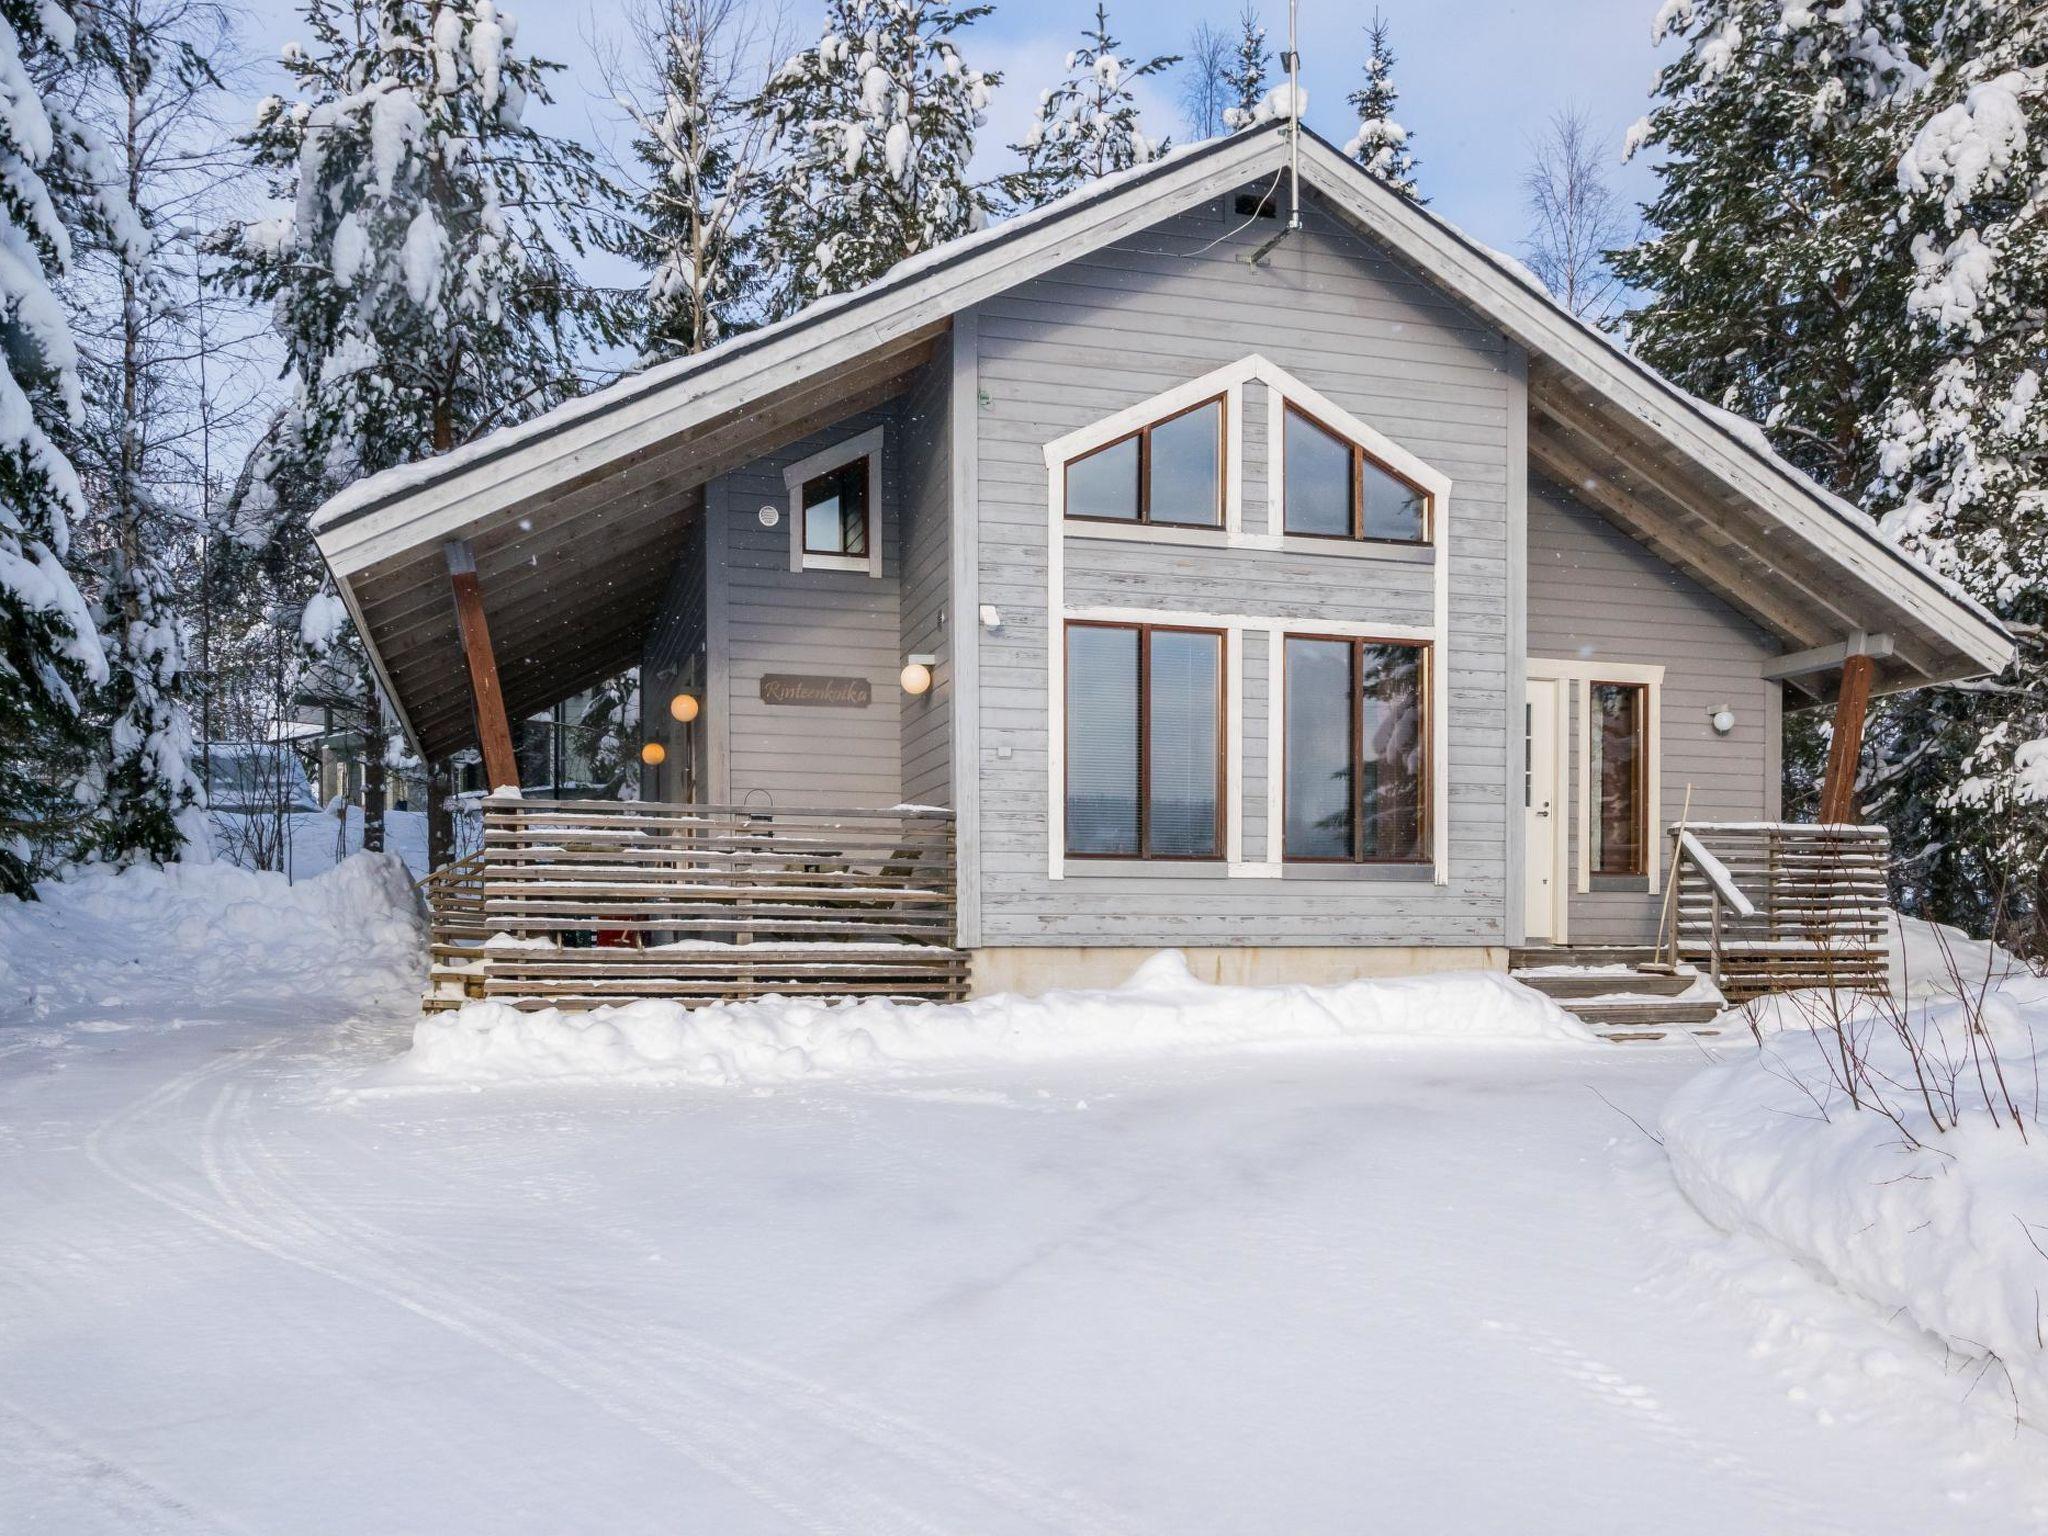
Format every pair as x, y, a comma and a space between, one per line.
916, 676
1723, 720
654, 754
684, 707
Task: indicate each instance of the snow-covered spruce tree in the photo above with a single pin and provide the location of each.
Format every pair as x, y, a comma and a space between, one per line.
1962, 481
417, 281
1087, 125
1772, 288
151, 105
53, 189
699, 153
1244, 78
1380, 143
874, 126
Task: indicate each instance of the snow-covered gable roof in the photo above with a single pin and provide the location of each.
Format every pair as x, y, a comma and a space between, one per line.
1590, 388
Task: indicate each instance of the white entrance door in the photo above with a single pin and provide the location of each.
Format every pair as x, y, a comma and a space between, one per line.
1543, 811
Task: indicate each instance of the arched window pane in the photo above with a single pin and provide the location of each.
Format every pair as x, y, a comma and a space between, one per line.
1317, 493
1187, 469
1394, 509
1105, 483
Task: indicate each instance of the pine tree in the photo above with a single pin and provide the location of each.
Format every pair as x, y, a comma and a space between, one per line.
876, 125
1771, 293
1962, 466
1087, 126
699, 154
54, 190
1381, 144
1244, 80
416, 283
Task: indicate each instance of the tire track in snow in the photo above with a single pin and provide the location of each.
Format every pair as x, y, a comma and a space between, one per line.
137, 1502
105, 1150
691, 1364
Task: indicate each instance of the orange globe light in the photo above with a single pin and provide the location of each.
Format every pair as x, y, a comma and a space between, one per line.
654, 754
915, 678
684, 707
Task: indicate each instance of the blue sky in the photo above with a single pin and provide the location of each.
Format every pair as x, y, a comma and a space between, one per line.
1478, 77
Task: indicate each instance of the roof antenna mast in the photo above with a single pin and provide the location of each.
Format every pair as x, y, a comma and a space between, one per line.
1291, 61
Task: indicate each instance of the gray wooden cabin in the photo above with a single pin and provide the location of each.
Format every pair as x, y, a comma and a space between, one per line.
1320, 601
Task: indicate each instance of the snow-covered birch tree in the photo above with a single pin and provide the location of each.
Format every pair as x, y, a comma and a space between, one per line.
54, 191
417, 273
1088, 125
874, 126
1379, 142
152, 107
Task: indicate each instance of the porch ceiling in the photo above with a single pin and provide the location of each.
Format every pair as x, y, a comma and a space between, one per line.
573, 578
1724, 539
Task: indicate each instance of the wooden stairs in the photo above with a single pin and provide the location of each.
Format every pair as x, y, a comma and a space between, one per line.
1619, 1000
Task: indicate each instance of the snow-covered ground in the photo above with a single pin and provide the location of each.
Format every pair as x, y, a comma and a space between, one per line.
1326, 1286
319, 838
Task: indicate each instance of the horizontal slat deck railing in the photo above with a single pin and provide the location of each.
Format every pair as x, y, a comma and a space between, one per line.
596, 901
1821, 907
456, 932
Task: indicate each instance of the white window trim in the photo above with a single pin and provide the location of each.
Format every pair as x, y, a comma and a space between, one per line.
1583, 675
869, 445
1229, 381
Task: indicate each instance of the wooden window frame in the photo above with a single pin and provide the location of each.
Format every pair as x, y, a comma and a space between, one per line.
852, 468
1425, 810
1143, 435
1639, 776
1144, 633
1359, 459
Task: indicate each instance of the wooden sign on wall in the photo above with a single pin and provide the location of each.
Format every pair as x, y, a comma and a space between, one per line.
828, 692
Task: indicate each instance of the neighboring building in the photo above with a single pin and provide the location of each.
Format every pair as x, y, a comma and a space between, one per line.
254, 778
1324, 606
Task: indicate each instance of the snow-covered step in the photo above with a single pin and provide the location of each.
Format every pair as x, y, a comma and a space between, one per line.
1624, 1002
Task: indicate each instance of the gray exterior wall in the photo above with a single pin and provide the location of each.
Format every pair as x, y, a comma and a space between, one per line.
1595, 594
1106, 332
926, 466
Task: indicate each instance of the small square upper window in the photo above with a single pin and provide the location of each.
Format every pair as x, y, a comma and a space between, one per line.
835, 512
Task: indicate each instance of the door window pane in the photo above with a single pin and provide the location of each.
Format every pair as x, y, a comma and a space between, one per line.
1394, 509
836, 511
1102, 740
1187, 470
1393, 751
1318, 749
1105, 483
1618, 770
1182, 761
1317, 490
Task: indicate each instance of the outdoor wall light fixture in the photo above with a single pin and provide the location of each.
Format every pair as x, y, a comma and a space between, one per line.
684, 707
916, 676
1723, 720
654, 754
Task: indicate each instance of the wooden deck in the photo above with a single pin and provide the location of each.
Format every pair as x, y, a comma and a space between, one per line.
580, 903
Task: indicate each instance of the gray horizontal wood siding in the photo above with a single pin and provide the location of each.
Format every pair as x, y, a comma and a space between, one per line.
927, 553
1595, 594
1162, 306
770, 619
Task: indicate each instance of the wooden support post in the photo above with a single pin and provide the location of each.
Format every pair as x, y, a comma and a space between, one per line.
1838, 790
494, 731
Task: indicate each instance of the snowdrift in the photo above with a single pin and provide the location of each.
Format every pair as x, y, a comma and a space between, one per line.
1162, 1010
1943, 1235
189, 935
